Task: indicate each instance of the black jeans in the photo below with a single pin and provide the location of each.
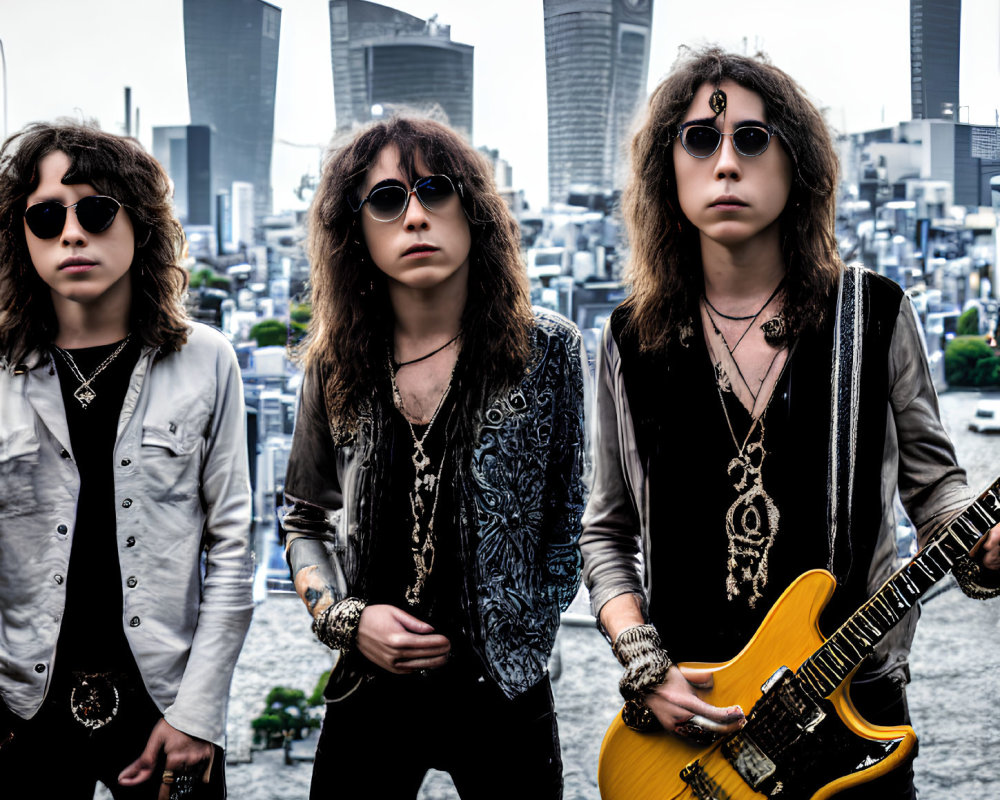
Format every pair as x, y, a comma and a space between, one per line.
380, 740
52, 755
883, 702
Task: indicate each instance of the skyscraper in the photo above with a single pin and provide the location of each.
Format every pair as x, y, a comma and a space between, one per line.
596, 62
185, 151
935, 29
231, 48
384, 59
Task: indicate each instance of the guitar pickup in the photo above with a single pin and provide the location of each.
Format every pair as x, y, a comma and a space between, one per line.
776, 678
752, 763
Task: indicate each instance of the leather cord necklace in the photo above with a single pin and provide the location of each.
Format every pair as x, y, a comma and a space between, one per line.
396, 365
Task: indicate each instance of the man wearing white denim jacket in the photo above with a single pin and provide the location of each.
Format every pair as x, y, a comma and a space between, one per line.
121, 438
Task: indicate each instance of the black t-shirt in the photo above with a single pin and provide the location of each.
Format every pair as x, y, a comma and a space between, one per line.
91, 637
393, 569
730, 532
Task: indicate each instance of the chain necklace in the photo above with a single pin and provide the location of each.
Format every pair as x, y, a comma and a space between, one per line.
85, 392
426, 489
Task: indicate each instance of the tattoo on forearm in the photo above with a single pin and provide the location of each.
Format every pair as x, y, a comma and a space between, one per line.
312, 597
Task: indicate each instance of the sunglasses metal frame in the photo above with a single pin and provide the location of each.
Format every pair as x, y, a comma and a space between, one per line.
769, 130
66, 209
409, 193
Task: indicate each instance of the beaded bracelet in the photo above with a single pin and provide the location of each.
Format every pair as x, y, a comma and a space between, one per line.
337, 625
969, 574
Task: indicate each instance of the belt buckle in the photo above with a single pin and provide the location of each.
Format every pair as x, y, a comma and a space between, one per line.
94, 699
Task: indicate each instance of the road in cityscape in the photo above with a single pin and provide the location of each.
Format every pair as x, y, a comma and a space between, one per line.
955, 664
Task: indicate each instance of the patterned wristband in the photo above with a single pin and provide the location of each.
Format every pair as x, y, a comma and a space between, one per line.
337, 625
969, 575
638, 649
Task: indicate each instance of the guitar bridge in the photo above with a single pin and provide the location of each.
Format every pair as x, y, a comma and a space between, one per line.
704, 787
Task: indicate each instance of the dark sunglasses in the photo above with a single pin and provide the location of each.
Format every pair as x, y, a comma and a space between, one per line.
388, 200
701, 141
94, 213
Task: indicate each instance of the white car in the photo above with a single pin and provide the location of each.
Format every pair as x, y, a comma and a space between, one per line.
986, 417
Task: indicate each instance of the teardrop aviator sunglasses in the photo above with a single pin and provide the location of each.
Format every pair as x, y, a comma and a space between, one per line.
95, 214
701, 141
388, 200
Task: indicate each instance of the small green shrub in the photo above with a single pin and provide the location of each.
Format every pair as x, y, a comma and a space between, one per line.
961, 359
275, 332
286, 716
968, 322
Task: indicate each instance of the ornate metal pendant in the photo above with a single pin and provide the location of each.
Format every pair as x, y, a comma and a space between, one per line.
85, 394
94, 701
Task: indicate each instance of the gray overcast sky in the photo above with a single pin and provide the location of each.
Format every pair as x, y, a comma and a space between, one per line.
72, 58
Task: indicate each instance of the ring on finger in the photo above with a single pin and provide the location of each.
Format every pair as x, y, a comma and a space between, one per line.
695, 732
183, 787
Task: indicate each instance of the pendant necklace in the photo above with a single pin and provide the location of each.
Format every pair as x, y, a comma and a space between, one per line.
426, 487
85, 393
709, 308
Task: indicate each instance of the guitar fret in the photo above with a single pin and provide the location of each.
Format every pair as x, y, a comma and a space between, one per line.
976, 520
814, 679
972, 533
842, 645
903, 603
885, 616
938, 557
833, 668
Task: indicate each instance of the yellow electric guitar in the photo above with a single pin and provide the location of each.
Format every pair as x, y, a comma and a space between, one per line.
803, 739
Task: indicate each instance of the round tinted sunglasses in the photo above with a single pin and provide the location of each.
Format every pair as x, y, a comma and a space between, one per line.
388, 200
94, 213
701, 141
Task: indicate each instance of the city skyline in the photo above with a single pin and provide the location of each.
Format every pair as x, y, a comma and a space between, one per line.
65, 60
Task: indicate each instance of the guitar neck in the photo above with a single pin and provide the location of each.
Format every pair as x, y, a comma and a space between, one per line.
829, 666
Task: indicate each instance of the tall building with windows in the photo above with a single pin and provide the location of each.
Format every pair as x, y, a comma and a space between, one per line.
596, 63
935, 33
384, 59
231, 49
185, 152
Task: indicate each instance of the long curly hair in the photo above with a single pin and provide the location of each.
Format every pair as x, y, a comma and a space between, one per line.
664, 266
116, 166
351, 315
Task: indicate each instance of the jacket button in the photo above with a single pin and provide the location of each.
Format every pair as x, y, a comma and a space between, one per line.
127, 502
126, 462
64, 453
130, 541
62, 529
39, 668
134, 622
57, 578
131, 582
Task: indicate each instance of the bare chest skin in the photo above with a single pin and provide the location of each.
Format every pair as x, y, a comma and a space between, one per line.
422, 385
752, 365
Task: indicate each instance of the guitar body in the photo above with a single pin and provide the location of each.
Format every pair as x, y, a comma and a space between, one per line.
827, 749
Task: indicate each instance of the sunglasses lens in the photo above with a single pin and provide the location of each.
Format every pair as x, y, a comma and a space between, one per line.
700, 140
434, 190
96, 213
46, 220
751, 141
386, 203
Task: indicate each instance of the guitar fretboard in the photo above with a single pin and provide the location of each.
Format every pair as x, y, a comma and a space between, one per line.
827, 668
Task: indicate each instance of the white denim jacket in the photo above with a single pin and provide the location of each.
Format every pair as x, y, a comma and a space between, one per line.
182, 504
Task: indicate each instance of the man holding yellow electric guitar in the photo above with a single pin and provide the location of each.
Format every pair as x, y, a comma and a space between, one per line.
759, 404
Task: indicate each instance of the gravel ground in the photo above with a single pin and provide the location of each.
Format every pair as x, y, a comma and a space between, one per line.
955, 661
